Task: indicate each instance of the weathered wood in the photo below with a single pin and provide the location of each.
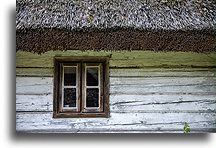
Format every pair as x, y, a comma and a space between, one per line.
171, 103
34, 72
34, 85
123, 58
37, 85
162, 85
130, 103
34, 102
163, 89
186, 72
203, 130
132, 72
26, 59
117, 121
162, 81
159, 98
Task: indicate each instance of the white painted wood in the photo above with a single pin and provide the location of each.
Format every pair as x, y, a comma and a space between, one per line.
142, 89
34, 102
171, 103
37, 85
162, 85
152, 95
162, 81
139, 103
131, 103
34, 85
117, 121
157, 72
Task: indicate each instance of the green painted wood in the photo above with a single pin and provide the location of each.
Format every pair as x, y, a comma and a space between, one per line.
123, 59
34, 72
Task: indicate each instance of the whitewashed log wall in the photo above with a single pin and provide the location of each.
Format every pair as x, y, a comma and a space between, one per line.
143, 97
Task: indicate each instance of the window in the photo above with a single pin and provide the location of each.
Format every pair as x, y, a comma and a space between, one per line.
80, 87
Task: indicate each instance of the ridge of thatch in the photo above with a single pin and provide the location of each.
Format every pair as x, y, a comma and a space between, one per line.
105, 14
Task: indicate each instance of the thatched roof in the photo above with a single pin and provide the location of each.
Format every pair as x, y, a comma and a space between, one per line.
111, 21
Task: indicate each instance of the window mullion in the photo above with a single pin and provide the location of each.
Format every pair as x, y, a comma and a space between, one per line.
83, 87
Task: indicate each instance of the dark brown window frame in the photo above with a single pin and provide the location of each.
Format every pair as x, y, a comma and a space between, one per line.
81, 112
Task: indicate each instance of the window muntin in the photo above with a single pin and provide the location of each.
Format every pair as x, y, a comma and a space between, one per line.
93, 87
79, 88
69, 87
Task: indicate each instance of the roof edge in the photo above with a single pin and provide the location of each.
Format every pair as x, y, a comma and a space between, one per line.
46, 39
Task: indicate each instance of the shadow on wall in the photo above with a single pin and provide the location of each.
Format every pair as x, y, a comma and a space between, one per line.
76, 137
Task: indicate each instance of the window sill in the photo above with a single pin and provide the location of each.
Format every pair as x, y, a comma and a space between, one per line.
81, 115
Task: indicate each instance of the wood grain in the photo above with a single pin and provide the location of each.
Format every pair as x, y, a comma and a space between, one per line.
34, 85
123, 58
150, 92
117, 121
129, 72
130, 103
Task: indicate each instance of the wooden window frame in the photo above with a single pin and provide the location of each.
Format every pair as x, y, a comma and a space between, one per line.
61, 87
81, 111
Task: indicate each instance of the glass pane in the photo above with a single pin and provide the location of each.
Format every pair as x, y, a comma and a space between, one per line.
92, 76
69, 97
92, 97
69, 76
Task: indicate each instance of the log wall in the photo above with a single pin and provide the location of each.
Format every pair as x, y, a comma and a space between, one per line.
149, 93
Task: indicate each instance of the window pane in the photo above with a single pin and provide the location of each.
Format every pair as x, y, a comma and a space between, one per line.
69, 76
92, 76
69, 97
92, 97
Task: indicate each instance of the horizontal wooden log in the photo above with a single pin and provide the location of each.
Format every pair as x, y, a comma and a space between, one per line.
26, 59
157, 72
163, 89
129, 72
34, 85
130, 103
163, 81
44, 85
123, 58
117, 121
34, 102
162, 85
169, 103
34, 72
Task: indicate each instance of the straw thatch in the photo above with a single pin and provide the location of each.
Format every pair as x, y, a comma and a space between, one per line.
187, 25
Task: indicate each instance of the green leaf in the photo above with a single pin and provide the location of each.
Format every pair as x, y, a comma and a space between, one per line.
186, 128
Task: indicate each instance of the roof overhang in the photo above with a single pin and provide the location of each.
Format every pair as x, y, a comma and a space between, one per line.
159, 25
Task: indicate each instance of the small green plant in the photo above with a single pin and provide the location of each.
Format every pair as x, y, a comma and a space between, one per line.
186, 128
